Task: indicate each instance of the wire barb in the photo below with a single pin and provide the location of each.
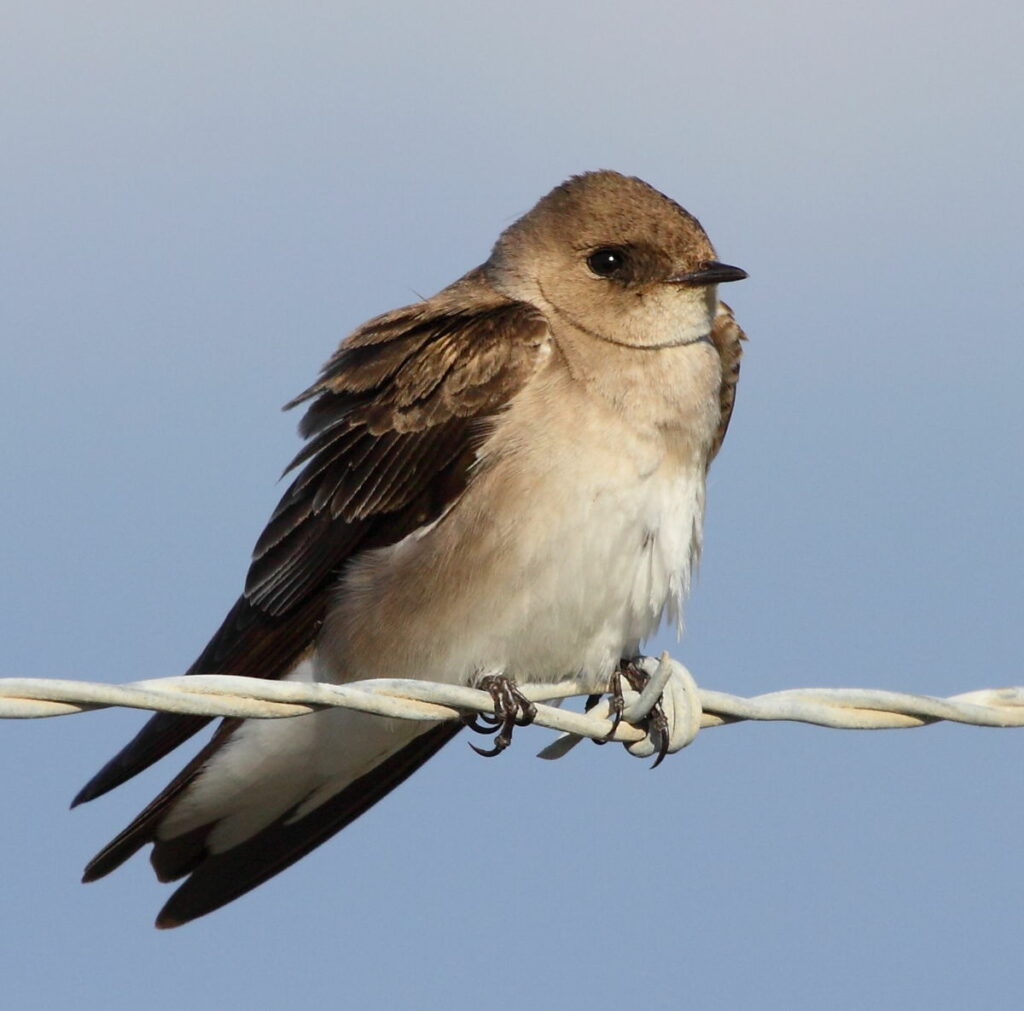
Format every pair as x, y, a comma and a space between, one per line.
670, 685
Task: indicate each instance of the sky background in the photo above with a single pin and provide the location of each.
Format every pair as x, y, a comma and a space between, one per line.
197, 201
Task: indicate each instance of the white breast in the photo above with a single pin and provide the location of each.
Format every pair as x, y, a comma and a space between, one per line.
561, 557
612, 574
561, 581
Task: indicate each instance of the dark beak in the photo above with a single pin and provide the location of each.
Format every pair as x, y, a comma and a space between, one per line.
709, 272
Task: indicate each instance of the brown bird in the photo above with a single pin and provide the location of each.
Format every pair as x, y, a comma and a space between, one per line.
506, 479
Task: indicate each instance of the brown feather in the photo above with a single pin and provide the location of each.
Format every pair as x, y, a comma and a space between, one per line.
125, 844
393, 424
217, 879
726, 336
392, 444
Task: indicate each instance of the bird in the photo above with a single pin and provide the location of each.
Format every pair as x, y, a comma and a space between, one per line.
503, 481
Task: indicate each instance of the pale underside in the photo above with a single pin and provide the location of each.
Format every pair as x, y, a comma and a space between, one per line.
505, 478
572, 542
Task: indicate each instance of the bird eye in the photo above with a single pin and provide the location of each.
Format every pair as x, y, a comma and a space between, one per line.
607, 261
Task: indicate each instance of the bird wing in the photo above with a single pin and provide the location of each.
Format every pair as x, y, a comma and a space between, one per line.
727, 336
392, 428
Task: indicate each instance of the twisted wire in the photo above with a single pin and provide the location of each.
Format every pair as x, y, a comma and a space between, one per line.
686, 707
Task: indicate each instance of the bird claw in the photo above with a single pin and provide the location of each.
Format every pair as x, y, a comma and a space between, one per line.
663, 703
655, 720
616, 704
511, 709
658, 722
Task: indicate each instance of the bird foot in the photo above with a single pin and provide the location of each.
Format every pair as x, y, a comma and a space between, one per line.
654, 718
617, 702
511, 709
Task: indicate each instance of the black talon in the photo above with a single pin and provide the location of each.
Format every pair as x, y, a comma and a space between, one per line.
488, 752
656, 719
527, 714
659, 723
473, 721
511, 709
616, 703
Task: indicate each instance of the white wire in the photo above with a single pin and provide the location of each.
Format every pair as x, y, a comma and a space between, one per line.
687, 708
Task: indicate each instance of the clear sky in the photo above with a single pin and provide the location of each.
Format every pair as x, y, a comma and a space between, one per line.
197, 201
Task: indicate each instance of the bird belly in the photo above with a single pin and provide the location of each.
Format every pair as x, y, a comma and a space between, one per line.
539, 576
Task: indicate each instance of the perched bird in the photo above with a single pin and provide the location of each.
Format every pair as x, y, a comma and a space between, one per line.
506, 478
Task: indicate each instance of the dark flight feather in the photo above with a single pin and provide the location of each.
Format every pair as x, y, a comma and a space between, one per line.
393, 425
393, 441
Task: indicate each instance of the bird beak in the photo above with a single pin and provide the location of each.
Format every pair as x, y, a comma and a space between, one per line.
709, 272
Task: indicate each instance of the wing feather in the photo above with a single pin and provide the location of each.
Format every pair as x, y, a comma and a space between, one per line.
392, 428
391, 425
727, 336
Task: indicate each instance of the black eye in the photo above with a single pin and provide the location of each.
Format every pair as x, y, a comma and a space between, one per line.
607, 261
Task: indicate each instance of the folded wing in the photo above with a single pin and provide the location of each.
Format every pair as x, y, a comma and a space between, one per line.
393, 427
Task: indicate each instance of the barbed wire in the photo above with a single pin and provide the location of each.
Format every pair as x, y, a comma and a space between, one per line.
687, 708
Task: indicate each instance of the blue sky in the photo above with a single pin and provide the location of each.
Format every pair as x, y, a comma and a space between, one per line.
198, 201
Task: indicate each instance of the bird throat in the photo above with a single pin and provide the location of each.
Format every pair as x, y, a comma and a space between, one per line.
679, 342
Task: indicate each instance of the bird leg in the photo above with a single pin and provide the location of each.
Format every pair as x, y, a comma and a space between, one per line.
511, 709
655, 719
616, 703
